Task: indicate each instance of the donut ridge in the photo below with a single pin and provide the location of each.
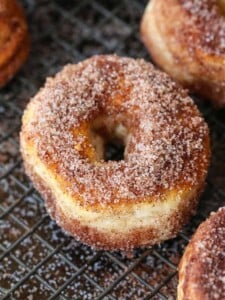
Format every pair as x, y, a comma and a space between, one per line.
116, 204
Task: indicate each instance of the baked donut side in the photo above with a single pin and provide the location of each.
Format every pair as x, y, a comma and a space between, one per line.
116, 204
14, 39
188, 44
118, 227
202, 267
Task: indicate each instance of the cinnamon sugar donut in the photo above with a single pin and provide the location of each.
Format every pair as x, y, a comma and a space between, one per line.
202, 268
186, 38
14, 40
147, 196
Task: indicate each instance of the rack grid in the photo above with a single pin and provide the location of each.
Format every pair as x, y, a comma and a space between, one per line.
37, 260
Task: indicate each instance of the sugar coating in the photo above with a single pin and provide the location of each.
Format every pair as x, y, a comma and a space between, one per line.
209, 19
167, 134
209, 244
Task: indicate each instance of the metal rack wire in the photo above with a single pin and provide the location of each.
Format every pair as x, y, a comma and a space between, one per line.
37, 260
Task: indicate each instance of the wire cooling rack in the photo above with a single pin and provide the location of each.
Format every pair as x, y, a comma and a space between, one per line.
37, 260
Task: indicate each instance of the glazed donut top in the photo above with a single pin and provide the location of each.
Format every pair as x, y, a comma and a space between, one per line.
165, 140
208, 32
13, 30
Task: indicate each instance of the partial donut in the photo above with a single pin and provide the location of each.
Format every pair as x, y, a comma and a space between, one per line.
14, 39
202, 268
186, 38
146, 197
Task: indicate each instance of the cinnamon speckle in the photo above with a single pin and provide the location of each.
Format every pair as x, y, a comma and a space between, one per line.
205, 271
207, 17
167, 135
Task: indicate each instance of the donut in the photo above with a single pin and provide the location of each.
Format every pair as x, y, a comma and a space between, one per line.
202, 267
14, 39
186, 38
145, 197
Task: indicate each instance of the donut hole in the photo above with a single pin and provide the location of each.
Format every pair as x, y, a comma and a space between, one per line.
114, 150
221, 4
109, 139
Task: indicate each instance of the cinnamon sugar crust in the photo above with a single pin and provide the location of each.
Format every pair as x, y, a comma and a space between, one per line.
14, 39
202, 268
166, 154
161, 153
207, 20
188, 42
109, 240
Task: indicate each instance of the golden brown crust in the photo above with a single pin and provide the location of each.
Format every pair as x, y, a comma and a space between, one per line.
139, 237
14, 39
143, 99
187, 41
202, 268
116, 205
